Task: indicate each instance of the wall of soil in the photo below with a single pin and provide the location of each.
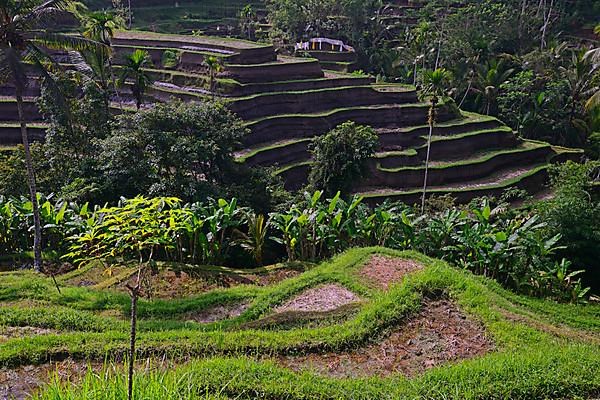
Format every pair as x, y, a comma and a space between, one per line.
275, 72
310, 102
295, 127
460, 172
530, 183
282, 86
290, 154
9, 112
11, 136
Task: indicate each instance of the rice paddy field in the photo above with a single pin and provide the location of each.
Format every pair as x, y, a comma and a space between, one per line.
369, 323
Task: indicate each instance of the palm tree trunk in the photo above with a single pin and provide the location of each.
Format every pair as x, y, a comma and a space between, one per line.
37, 238
431, 123
129, 16
426, 169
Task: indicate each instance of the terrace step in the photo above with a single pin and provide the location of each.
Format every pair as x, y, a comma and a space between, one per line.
329, 80
285, 68
411, 178
10, 133
9, 111
285, 127
462, 171
296, 150
531, 179
338, 66
411, 136
246, 52
230, 87
318, 100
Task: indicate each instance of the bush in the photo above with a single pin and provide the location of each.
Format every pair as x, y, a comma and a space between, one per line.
341, 156
574, 213
170, 59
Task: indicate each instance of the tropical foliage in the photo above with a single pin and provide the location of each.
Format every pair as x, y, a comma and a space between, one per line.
341, 157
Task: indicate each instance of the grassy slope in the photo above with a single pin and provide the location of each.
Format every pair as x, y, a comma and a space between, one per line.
553, 351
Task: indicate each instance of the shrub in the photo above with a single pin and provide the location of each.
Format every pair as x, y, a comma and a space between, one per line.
341, 156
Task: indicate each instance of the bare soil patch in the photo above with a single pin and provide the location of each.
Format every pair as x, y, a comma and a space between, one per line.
21, 382
384, 271
14, 332
438, 334
304, 319
319, 299
170, 284
218, 313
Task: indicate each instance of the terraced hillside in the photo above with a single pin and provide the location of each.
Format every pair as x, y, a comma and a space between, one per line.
185, 16
370, 324
286, 101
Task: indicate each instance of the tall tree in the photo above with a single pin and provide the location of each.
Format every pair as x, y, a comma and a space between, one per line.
435, 83
22, 43
134, 69
100, 26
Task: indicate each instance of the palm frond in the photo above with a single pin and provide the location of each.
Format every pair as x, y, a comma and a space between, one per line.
61, 41
40, 62
13, 66
594, 101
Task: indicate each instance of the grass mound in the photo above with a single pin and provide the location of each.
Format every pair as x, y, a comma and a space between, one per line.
522, 348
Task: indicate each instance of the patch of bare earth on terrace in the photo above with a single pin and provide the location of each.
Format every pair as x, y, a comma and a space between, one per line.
170, 284
22, 382
440, 333
17, 332
384, 271
322, 298
218, 313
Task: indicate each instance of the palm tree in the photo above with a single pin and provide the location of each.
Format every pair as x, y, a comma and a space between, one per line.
22, 42
214, 68
134, 70
489, 77
435, 83
248, 22
100, 26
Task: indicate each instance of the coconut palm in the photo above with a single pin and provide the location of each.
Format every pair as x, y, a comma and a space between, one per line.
134, 70
100, 26
23, 41
435, 83
214, 68
488, 78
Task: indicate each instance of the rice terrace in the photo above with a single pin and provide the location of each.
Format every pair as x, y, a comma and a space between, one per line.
298, 199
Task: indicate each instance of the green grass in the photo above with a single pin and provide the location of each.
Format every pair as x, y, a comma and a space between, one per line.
557, 355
